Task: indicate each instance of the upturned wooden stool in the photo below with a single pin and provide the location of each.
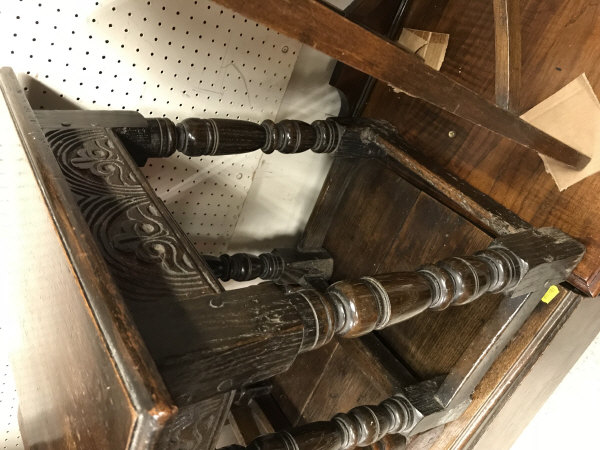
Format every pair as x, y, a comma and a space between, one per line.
129, 341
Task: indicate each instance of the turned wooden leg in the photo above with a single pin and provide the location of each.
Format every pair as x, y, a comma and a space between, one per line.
209, 137
246, 335
161, 138
376, 427
285, 266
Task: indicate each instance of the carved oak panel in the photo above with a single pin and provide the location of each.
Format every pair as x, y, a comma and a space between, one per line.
150, 259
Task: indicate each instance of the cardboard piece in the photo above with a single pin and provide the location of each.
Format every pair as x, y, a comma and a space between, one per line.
571, 115
427, 45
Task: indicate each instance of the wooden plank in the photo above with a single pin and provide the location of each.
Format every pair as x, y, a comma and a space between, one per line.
84, 377
447, 189
334, 187
341, 388
294, 389
380, 16
507, 24
322, 28
374, 203
513, 178
430, 233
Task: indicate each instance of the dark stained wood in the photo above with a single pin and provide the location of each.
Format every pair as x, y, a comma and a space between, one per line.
472, 25
312, 23
202, 137
508, 371
453, 192
337, 377
342, 386
261, 329
377, 362
513, 178
245, 266
390, 200
507, 21
257, 335
286, 266
197, 425
77, 361
360, 427
85, 378
429, 232
250, 421
294, 389
149, 257
334, 187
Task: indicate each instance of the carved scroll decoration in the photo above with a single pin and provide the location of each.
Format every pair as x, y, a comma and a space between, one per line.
144, 254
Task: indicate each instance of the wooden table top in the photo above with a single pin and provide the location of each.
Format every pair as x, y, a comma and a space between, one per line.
84, 377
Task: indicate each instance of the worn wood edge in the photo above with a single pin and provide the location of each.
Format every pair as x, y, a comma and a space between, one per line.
382, 59
500, 382
250, 421
507, 31
134, 365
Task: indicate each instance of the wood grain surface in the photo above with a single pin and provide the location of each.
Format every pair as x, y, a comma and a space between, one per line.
336, 378
84, 376
493, 164
513, 179
507, 20
489, 163
152, 263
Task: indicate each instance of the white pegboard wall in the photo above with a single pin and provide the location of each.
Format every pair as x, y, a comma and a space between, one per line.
10, 437
172, 59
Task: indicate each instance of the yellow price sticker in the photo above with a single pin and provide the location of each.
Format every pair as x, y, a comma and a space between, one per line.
550, 294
